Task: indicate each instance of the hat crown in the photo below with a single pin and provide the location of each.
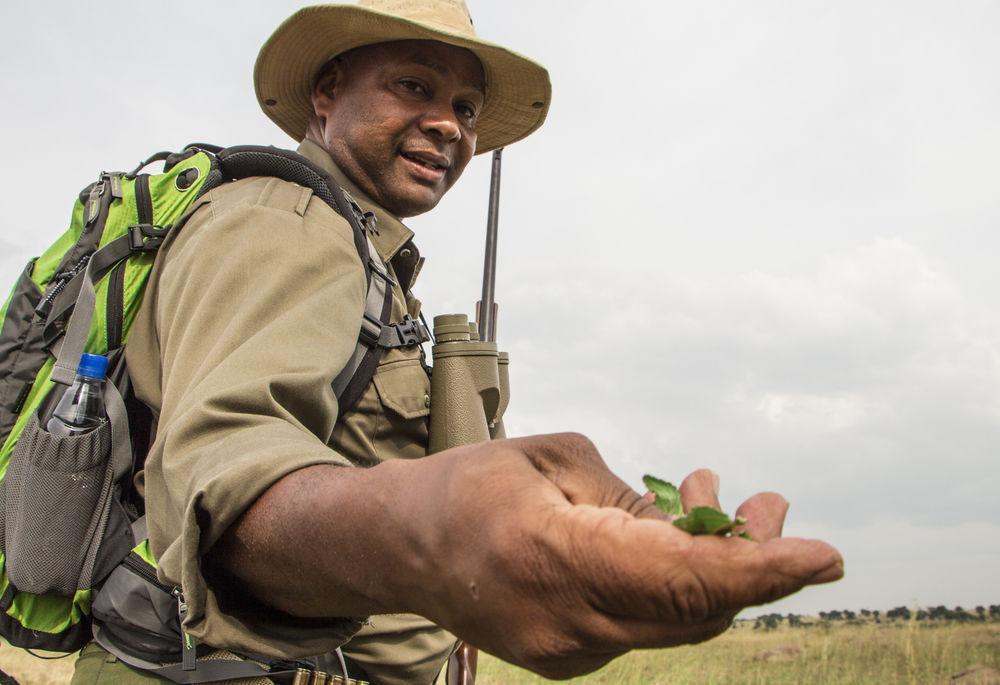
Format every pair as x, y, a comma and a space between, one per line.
447, 15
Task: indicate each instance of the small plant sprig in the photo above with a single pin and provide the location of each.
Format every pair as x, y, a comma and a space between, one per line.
698, 521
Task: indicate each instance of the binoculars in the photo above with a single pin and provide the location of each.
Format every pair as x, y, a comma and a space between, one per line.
470, 385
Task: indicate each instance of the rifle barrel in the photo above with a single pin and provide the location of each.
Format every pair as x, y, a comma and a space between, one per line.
487, 318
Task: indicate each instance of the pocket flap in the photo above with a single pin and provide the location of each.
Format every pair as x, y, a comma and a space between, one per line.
404, 387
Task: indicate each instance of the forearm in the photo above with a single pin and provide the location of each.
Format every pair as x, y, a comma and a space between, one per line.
530, 549
328, 541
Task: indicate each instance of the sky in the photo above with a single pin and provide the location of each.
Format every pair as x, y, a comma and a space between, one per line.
756, 237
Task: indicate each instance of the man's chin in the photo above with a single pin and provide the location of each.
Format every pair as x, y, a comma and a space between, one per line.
415, 203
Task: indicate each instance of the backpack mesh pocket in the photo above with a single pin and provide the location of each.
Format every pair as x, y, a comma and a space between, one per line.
55, 501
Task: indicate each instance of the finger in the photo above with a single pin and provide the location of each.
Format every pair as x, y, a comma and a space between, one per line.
645, 508
700, 489
765, 514
647, 570
619, 632
735, 574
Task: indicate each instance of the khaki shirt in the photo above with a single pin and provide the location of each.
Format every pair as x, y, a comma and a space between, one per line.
252, 309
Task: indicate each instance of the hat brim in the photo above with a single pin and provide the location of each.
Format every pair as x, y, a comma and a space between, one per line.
517, 89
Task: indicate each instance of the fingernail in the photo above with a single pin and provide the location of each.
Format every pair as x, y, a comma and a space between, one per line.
829, 574
715, 483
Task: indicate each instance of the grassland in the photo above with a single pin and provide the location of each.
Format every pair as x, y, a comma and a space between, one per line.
911, 653
908, 653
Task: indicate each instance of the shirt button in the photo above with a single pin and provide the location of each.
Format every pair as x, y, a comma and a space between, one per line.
427, 400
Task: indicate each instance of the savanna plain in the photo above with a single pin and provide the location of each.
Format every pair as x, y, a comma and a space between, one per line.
904, 650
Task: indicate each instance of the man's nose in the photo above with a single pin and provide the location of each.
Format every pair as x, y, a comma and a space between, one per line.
442, 122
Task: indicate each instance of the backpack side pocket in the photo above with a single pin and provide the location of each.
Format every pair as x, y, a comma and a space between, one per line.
56, 498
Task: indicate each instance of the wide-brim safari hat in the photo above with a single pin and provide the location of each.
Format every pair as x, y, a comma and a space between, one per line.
517, 89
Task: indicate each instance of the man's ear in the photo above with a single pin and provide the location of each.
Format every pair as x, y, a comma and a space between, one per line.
325, 90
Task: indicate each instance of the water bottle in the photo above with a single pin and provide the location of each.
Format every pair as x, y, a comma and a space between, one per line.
81, 408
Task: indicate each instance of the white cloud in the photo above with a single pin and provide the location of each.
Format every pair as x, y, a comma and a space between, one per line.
869, 377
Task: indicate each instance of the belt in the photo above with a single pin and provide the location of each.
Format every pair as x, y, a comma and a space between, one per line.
306, 677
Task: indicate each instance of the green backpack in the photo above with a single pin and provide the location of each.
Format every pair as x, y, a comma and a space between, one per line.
68, 512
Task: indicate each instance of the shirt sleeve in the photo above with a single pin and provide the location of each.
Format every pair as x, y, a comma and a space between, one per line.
257, 308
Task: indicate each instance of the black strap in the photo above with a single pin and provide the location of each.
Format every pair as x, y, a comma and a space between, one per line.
219, 671
251, 160
244, 161
366, 370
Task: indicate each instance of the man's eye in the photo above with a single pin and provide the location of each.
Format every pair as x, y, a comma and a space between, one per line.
466, 111
415, 86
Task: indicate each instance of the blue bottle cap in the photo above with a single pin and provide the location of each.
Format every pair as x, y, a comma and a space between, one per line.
93, 366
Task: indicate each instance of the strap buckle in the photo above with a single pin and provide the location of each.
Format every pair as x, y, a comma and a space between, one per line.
406, 333
138, 234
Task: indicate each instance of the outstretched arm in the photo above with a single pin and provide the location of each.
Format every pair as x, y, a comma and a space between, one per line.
530, 549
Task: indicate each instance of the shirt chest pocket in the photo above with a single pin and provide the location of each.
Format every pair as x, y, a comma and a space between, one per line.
403, 389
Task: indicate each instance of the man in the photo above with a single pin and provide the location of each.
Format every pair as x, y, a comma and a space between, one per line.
530, 549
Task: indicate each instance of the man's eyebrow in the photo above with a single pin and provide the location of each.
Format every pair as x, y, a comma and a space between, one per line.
438, 68
425, 61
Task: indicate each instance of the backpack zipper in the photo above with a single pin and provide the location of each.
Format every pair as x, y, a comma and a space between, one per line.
116, 306
143, 199
141, 567
60, 284
116, 283
144, 570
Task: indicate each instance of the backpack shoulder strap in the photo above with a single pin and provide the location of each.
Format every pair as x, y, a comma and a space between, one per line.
377, 333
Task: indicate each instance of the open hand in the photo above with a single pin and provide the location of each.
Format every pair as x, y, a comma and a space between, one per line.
563, 567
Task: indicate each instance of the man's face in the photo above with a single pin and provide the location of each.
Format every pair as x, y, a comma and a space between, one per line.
400, 120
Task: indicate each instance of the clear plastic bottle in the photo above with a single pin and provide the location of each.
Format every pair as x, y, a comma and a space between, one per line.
81, 408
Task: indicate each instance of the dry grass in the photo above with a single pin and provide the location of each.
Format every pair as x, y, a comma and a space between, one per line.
30, 670
904, 653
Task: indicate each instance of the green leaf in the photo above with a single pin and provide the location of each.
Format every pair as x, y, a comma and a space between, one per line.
706, 521
668, 497
698, 521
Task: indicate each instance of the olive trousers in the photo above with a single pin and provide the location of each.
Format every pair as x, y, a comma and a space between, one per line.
97, 666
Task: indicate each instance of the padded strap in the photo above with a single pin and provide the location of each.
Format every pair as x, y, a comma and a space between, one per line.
254, 160
68, 358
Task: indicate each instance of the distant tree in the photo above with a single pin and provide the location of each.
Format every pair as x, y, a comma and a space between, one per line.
995, 611
866, 613
981, 612
902, 613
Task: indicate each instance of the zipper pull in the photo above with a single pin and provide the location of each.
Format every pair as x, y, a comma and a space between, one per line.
188, 656
94, 201
116, 187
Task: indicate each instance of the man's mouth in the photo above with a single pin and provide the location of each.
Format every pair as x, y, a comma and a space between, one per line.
434, 164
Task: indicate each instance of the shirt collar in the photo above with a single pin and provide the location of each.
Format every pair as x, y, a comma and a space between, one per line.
390, 234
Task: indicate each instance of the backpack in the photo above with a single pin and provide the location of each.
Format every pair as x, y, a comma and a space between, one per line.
69, 516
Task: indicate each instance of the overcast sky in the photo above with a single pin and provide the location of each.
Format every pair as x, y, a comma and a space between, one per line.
755, 236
